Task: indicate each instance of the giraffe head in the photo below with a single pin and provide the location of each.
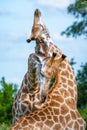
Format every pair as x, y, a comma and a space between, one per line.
49, 69
36, 26
37, 13
51, 65
40, 34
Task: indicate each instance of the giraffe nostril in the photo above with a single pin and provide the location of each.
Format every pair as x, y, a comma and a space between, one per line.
28, 40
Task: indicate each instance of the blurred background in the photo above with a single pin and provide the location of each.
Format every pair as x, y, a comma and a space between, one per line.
67, 23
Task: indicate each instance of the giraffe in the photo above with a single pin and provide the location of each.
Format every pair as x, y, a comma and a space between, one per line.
28, 98
37, 34
67, 74
60, 111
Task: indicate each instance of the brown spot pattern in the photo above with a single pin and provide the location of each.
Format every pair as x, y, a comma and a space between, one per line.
80, 121
64, 109
76, 126
39, 125
63, 80
23, 97
65, 73
67, 118
57, 127
64, 92
70, 124
70, 102
43, 118
62, 120
24, 123
31, 120
23, 107
56, 111
73, 115
36, 117
41, 113
71, 91
63, 65
70, 83
69, 68
49, 123
55, 118
54, 104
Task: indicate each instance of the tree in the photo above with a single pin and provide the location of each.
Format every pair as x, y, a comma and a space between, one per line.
7, 92
82, 86
72, 62
79, 27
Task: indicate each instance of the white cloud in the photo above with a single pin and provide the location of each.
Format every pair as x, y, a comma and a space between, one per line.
56, 3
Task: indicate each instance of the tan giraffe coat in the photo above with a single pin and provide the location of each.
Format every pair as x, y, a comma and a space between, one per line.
66, 74
28, 98
60, 112
37, 34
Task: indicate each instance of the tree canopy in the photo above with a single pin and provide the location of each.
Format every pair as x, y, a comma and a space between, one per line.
82, 86
79, 27
7, 92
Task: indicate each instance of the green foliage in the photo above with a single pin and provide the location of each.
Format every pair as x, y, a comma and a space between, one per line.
4, 126
83, 113
72, 62
7, 93
78, 9
79, 27
81, 79
52, 82
82, 86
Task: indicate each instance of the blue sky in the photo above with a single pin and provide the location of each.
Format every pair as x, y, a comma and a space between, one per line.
16, 19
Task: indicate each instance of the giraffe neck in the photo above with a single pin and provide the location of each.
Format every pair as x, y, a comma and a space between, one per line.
58, 113
34, 75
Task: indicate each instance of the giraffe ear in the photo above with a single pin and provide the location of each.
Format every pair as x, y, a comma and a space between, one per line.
63, 56
54, 54
50, 62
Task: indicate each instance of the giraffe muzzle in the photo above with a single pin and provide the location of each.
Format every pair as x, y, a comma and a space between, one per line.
29, 40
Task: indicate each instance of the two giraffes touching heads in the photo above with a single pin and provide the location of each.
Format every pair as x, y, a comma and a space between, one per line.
37, 106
